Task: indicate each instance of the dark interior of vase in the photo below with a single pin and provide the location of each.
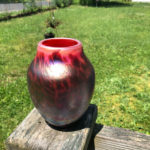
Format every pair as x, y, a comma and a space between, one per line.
60, 42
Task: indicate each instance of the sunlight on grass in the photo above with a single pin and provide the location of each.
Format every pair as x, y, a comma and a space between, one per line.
115, 39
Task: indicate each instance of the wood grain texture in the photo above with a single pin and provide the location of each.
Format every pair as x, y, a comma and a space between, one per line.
111, 138
35, 134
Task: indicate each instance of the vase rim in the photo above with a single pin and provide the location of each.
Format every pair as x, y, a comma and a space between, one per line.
60, 43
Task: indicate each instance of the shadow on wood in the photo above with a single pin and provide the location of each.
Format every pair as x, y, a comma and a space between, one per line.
84, 122
35, 134
96, 130
113, 138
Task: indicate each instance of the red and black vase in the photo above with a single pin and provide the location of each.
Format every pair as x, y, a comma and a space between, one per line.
61, 80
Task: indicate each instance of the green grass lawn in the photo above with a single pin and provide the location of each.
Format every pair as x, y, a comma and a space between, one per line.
117, 42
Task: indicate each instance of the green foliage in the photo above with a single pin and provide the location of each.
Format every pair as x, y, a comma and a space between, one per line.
88, 2
15, 57
15, 105
17, 1
29, 5
49, 30
59, 3
63, 3
24, 12
30, 10
52, 21
105, 3
49, 33
6, 15
66, 3
11, 1
51, 24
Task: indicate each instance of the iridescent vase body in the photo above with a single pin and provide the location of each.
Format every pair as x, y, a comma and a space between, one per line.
61, 80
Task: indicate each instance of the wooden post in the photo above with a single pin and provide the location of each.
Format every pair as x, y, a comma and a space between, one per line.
113, 138
35, 134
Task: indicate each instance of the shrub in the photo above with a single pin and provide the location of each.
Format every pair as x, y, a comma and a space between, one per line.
70, 2
10, 1
52, 22
59, 3
65, 3
29, 5
88, 2
5, 16
49, 33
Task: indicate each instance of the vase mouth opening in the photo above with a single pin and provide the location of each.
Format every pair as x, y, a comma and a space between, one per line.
60, 43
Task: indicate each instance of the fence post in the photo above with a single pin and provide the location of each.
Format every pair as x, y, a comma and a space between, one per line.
35, 133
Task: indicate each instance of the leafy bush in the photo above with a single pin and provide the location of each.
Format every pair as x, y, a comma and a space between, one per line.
59, 3
49, 33
5, 16
52, 21
29, 5
48, 30
10, 1
70, 2
88, 2
65, 3
25, 12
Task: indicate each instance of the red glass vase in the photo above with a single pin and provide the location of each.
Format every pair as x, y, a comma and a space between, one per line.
61, 80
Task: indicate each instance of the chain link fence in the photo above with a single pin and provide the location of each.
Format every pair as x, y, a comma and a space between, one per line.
12, 5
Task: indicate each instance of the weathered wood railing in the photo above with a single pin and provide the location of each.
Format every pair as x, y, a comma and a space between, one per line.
35, 134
